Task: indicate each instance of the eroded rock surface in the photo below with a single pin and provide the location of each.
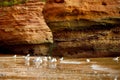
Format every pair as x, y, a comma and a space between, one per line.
23, 29
84, 28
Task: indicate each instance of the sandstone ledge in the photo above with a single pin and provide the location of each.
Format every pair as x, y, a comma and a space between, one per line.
84, 28
22, 27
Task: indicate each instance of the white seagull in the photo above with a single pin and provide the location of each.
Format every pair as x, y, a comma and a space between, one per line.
27, 60
49, 58
28, 55
88, 60
45, 59
116, 59
54, 60
52, 63
37, 62
14, 56
61, 59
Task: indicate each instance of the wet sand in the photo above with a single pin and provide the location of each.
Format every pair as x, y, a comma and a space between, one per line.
72, 69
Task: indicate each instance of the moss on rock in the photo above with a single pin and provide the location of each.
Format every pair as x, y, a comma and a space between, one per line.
5, 3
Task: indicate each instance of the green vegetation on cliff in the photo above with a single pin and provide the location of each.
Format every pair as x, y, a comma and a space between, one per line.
5, 3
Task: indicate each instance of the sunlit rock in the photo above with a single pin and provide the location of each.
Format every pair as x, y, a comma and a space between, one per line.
23, 29
84, 28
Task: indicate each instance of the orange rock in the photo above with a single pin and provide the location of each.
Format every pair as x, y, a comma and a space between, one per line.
88, 9
24, 25
84, 28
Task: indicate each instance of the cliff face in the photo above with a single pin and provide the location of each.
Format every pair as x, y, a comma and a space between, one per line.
23, 29
84, 28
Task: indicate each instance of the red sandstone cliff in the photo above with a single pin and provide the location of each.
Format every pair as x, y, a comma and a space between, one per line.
23, 29
84, 27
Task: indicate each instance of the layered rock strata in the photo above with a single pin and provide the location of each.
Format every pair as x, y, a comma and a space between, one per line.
23, 29
84, 28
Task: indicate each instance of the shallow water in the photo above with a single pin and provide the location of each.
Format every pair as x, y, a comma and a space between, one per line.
72, 69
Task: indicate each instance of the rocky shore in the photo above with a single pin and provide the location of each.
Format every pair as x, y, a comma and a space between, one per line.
81, 28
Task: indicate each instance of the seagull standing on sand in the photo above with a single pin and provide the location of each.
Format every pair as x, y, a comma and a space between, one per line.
61, 59
45, 59
37, 62
88, 60
28, 55
54, 60
14, 56
116, 59
53, 63
49, 58
27, 60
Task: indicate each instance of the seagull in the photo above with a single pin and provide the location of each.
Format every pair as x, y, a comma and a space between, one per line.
27, 60
52, 63
14, 56
28, 55
61, 59
116, 59
45, 59
88, 60
49, 58
37, 61
54, 60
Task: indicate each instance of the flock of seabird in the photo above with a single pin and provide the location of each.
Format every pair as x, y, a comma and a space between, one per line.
48, 61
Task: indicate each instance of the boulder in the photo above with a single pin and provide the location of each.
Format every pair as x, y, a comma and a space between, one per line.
84, 28
23, 29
